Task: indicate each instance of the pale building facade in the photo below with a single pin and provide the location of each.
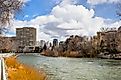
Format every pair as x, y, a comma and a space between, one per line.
25, 36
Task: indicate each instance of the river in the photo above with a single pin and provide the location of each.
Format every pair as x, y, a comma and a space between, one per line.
62, 68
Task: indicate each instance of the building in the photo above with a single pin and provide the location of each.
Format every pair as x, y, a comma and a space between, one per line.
55, 42
42, 42
119, 38
25, 36
37, 43
109, 40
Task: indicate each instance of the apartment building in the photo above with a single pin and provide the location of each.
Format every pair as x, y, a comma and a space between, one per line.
25, 36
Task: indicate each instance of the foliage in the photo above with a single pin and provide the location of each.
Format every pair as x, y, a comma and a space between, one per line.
17, 71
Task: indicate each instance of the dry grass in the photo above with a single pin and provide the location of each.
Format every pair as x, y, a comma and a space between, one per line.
17, 71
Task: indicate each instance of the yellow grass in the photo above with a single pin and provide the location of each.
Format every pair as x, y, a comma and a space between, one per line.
17, 71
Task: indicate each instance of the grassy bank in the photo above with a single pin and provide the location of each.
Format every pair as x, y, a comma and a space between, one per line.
17, 71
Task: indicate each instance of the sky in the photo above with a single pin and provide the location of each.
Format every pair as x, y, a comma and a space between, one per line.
62, 18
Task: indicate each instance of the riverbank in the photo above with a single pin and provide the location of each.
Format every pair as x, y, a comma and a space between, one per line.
77, 54
72, 54
18, 71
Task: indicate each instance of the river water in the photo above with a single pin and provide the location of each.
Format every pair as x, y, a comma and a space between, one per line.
62, 68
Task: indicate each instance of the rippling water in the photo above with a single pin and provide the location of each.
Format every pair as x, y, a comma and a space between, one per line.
60, 68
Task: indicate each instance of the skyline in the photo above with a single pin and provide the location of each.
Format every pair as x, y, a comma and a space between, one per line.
60, 18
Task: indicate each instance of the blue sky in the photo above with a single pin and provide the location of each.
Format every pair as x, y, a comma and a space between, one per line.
61, 18
36, 8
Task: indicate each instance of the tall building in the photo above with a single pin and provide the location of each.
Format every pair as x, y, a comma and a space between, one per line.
42, 43
55, 42
25, 36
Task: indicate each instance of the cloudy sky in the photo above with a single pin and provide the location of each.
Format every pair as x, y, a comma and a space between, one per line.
61, 18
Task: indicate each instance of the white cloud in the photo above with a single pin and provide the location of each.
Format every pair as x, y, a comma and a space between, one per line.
24, 0
65, 2
26, 16
66, 19
95, 2
56, 1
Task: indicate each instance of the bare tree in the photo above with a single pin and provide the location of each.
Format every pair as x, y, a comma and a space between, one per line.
8, 9
119, 9
104, 29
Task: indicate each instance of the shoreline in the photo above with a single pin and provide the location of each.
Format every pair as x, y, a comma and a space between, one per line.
99, 57
42, 54
15, 68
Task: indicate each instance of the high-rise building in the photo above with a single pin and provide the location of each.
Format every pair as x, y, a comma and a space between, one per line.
55, 42
42, 43
25, 36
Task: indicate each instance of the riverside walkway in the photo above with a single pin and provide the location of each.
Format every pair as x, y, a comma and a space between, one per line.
0, 69
3, 73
